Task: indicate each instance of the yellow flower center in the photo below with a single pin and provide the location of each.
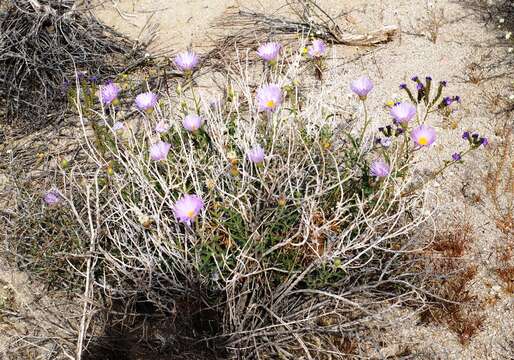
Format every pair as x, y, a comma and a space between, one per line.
270, 104
423, 140
190, 213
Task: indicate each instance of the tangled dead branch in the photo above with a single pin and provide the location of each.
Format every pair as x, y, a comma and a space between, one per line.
44, 43
319, 24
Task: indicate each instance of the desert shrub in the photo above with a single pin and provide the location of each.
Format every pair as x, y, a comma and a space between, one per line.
43, 44
269, 222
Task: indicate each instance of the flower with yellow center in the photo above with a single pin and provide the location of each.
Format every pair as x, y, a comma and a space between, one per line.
269, 97
423, 135
187, 208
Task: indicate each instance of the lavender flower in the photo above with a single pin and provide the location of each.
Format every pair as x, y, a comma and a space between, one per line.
317, 49
447, 101
81, 75
52, 197
118, 125
483, 141
269, 51
161, 127
386, 142
186, 61
256, 154
65, 86
192, 122
362, 86
159, 150
456, 157
109, 93
403, 112
415, 78
269, 97
465, 135
379, 168
187, 208
403, 86
146, 101
423, 135
443, 83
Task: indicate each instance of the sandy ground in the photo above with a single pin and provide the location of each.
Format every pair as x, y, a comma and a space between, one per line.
182, 23
462, 40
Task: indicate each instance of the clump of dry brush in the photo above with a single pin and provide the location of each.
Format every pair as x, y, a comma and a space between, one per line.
272, 222
264, 224
43, 45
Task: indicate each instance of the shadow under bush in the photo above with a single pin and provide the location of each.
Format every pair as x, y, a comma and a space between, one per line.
138, 330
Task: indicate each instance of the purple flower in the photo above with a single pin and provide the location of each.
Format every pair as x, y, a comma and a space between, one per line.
379, 168
386, 142
483, 141
186, 61
187, 208
317, 49
403, 86
52, 197
269, 97
457, 99
415, 78
192, 122
256, 154
465, 135
65, 87
403, 112
81, 75
443, 83
109, 93
269, 51
361, 86
423, 135
146, 101
161, 127
118, 125
159, 150
456, 157
447, 100
428, 78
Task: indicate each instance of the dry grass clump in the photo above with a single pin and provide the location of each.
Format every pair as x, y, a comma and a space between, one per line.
44, 242
432, 22
452, 274
499, 180
499, 185
293, 255
290, 256
43, 44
